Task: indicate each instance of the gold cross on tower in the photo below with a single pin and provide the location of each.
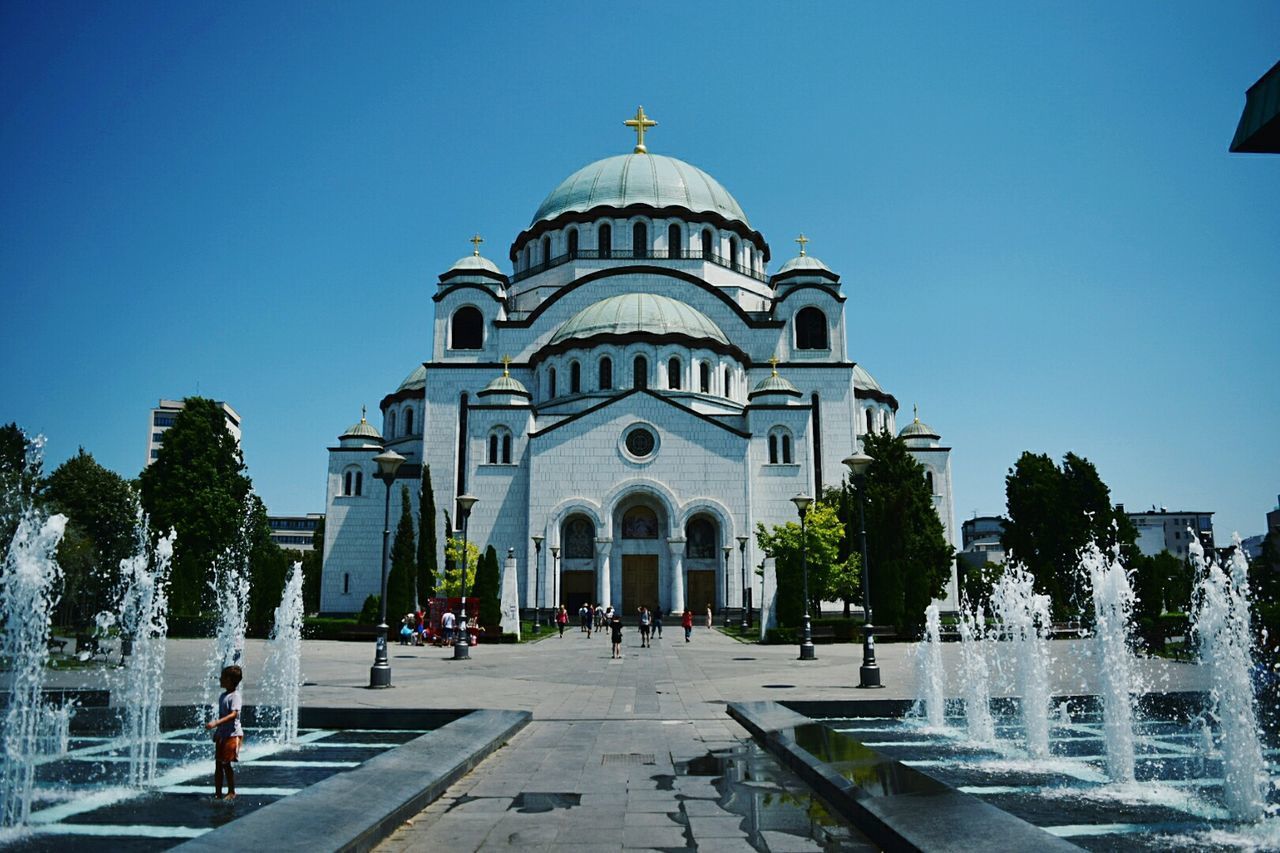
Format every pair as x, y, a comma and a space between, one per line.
477, 240
506, 365
640, 123
802, 240
773, 362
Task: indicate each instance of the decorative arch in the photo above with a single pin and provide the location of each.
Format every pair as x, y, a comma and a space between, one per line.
579, 537
811, 328
652, 489
466, 328
714, 508
568, 507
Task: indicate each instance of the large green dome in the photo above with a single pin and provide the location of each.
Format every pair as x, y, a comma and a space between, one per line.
649, 179
639, 312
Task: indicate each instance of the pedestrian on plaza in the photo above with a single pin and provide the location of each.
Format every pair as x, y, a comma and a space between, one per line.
589, 617
645, 625
582, 618
227, 732
686, 622
657, 621
447, 621
608, 615
709, 615
562, 619
615, 630
599, 617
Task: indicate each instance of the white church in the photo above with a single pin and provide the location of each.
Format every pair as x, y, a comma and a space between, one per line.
639, 391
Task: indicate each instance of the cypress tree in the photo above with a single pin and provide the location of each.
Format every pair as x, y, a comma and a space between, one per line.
426, 579
403, 565
488, 589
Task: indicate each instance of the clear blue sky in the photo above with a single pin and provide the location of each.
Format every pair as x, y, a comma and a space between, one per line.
1043, 237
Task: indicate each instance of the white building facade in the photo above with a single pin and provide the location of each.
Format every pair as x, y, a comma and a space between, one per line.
638, 391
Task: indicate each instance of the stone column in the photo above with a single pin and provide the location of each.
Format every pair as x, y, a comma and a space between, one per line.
604, 586
676, 578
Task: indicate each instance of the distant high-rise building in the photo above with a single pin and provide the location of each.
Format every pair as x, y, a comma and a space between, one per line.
163, 416
295, 531
1163, 530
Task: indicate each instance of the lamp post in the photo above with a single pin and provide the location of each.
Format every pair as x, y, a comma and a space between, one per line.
555, 580
380, 673
462, 651
803, 502
728, 549
869, 672
746, 612
537, 577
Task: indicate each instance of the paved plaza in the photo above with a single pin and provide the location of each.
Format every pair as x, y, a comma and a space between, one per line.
600, 766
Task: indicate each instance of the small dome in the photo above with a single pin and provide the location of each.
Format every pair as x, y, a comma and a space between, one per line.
916, 429
639, 312
473, 262
364, 429
803, 262
415, 380
864, 380
648, 179
774, 384
506, 384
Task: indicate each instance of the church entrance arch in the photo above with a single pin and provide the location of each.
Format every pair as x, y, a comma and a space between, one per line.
643, 526
578, 562
701, 562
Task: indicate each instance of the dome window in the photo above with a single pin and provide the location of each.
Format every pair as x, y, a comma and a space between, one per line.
466, 329
639, 240
674, 241
727, 387
546, 251
811, 329
673, 374
604, 241
575, 378
391, 424
551, 383
733, 254
606, 374
640, 372
871, 421
408, 421
706, 244
573, 242
704, 378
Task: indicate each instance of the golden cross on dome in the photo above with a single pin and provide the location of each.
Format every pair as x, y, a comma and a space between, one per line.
640, 123
773, 362
363, 410
915, 411
476, 241
802, 240
506, 365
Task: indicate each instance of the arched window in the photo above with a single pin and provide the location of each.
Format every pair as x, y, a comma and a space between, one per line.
506, 448
786, 449
606, 374
673, 374
467, 330
353, 482
604, 240
773, 449
700, 539
546, 250
573, 242
780, 446
346, 583
493, 448
408, 421
500, 446
727, 388
579, 538
639, 240
674, 242
928, 479
575, 377
733, 252
640, 372
706, 244
704, 378
391, 424
551, 383
640, 522
871, 420
811, 329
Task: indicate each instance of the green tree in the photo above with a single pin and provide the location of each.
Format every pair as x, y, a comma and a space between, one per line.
312, 567
451, 586
196, 486
427, 545
103, 516
1053, 513
20, 468
488, 589
787, 548
400, 577
268, 566
909, 558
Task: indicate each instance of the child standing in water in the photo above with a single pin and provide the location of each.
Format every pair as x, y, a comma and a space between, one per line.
228, 732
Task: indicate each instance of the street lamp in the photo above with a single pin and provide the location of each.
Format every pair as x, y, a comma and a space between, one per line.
727, 550
746, 612
380, 673
462, 651
555, 581
537, 577
803, 502
869, 672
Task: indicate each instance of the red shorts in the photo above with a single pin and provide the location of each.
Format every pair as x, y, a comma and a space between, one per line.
227, 749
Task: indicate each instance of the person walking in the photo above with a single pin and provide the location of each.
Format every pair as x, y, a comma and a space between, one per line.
657, 621
709, 620
686, 621
645, 625
615, 631
562, 619
447, 621
608, 615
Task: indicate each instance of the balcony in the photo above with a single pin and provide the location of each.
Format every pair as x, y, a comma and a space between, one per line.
643, 255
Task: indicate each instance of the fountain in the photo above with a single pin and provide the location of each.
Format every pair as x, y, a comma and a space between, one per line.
1222, 626
975, 677
931, 675
28, 592
1024, 624
1113, 601
282, 678
230, 587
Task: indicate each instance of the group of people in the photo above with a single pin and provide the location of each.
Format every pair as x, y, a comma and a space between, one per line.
416, 630
597, 618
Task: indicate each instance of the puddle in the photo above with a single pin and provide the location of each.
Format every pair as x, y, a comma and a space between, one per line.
537, 803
